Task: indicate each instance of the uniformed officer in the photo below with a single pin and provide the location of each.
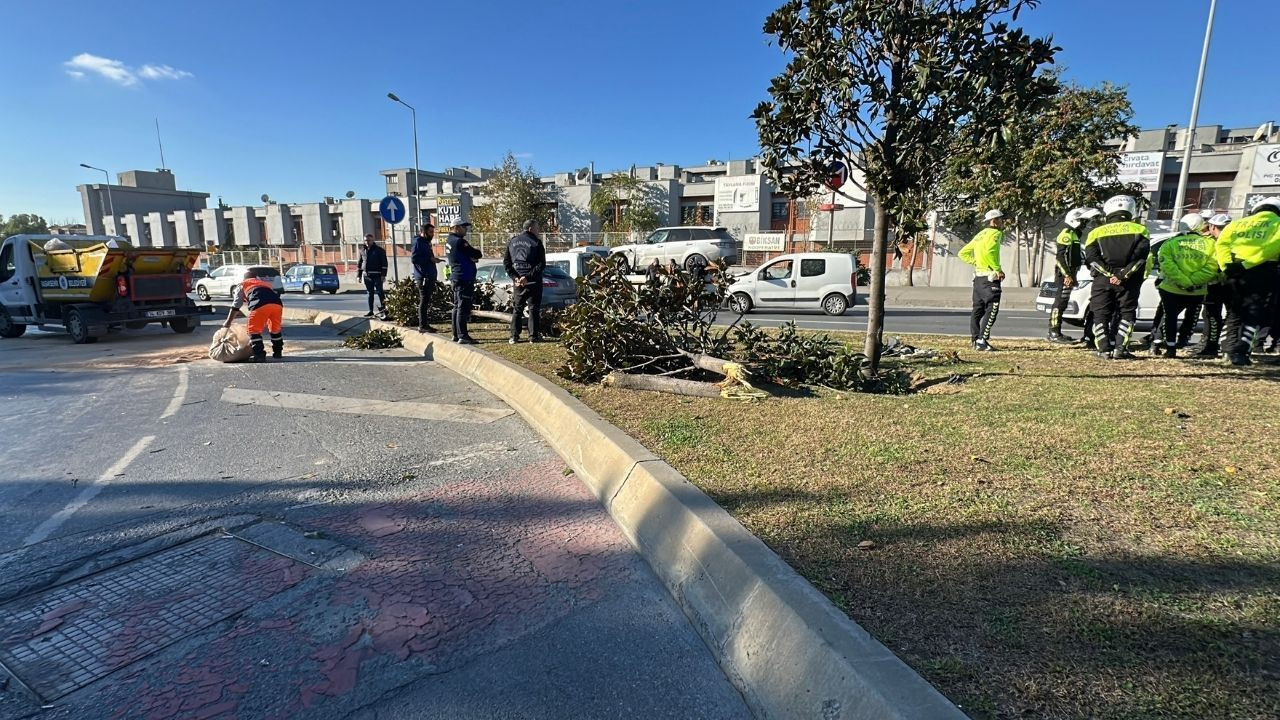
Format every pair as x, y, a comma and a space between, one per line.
983, 253
1248, 251
1187, 268
1215, 298
1069, 258
1116, 252
525, 260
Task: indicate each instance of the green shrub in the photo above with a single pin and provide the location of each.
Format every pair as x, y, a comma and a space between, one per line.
377, 339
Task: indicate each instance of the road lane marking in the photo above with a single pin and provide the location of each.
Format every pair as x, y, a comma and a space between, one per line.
361, 406
179, 394
47, 527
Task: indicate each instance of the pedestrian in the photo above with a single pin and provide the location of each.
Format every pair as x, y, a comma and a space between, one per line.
266, 312
462, 275
983, 253
1187, 267
1116, 252
373, 269
1069, 259
1194, 224
525, 260
1215, 299
1248, 252
424, 272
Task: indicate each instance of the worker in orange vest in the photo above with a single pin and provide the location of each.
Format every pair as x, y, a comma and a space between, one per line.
266, 312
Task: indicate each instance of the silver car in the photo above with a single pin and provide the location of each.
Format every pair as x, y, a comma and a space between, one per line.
558, 289
686, 245
223, 281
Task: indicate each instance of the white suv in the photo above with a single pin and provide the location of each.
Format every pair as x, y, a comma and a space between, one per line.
223, 281
687, 245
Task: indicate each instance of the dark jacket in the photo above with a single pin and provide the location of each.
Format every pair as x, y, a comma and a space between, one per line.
256, 292
1117, 249
424, 258
462, 260
525, 257
1070, 254
373, 261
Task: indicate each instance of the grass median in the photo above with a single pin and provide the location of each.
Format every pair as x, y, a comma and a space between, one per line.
1052, 536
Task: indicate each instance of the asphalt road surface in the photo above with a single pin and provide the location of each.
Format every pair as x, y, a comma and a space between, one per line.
930, 321
338, 534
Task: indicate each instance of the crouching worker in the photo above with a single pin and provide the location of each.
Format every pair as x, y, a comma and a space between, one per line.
266, 312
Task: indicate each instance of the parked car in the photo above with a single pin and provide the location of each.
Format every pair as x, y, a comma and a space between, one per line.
687, 245
222, 281
1078, 302
307, 279
558, 289
820, 281
198, 274
576, 262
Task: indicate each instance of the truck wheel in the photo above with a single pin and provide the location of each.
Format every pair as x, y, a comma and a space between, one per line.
306, 288
78, 328
182, 325
9, 328
835, 304
202, 292
740, 303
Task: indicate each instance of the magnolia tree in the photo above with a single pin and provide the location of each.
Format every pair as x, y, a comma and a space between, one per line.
514, 195
1051, 160
884, 84
627, 204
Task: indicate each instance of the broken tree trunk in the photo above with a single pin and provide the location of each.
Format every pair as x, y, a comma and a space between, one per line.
492, 315
658, 383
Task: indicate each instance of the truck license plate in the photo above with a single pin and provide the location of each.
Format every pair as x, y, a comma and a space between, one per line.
161, 313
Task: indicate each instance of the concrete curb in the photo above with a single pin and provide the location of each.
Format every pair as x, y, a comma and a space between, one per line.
789, 651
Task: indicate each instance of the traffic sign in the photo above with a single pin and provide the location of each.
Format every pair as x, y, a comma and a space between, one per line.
837, 175
391, 209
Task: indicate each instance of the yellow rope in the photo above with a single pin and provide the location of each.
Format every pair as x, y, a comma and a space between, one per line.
735, 385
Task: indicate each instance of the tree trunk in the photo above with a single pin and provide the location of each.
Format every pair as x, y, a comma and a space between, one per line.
656, 383
911, 263
875, 301
1017, 252
707, 362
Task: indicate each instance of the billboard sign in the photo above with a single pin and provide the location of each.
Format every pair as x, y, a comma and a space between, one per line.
764, 242
448, 210
738, 194
1266, 165
1144, 168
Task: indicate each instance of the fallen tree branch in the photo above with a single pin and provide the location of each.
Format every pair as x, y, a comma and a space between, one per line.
492, 315
654, 383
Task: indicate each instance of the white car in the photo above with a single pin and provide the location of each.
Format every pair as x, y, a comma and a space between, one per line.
818, 281
577, 262
222, 281
1078, 302
687, 245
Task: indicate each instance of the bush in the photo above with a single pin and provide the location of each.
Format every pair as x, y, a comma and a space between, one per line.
377, 339
789, 358
402, 303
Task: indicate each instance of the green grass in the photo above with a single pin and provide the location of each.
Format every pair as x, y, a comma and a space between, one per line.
1056, 537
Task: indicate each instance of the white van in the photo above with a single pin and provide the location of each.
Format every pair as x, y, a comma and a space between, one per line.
577, 262
818, 281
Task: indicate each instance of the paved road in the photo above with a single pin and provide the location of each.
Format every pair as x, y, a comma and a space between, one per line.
942, 321
342, 534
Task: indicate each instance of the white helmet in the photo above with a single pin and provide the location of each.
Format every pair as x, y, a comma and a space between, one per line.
1191, 222
1272, 202
992, 215
1120, 204
1220, 220
1206, 213
1077, 217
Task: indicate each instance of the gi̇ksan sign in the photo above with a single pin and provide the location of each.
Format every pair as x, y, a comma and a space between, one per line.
764, 242
738, 194
1144, 168
448, 210
1266, 165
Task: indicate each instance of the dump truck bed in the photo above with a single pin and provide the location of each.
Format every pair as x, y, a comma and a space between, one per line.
86, 270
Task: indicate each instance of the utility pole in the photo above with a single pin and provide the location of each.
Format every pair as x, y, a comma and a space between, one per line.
1181, 195
110, 202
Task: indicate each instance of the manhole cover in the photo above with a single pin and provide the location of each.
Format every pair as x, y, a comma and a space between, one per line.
59, 640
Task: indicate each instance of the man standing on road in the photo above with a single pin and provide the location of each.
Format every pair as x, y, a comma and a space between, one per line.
1187, 267
462, 275
1069, 259
1215, 298
1248, 252
373, 269
1116, 252
983, 253
525, 261
424, 272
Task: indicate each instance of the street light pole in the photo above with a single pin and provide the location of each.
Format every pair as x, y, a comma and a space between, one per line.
414, 200
1181, 195
110, 202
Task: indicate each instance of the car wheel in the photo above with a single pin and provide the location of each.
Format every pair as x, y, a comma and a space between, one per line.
232, 293
332, 292
9, 328
306, 288
620, 261
183, 325
202, 292
740, 303
693, 261
835, 304
78, 328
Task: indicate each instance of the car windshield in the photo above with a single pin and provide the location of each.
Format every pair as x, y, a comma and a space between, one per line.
556, 271
722, 235
562, 265
326, 270
267, 272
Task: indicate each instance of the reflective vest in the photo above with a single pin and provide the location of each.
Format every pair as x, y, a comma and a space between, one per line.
983, 251
1187, 264
1250, 241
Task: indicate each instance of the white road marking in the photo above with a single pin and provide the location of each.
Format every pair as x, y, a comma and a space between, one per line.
88, 493
360, 406
179, 394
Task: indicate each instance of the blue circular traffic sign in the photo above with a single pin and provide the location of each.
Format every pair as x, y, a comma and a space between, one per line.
391, 209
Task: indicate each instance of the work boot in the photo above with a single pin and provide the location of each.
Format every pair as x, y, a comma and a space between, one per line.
983, 346
1239, 359
1157, 350
1171, 353
1102, 355
537, 339
1205, 350
426, 329
258, 357
1122, 354
1057, 337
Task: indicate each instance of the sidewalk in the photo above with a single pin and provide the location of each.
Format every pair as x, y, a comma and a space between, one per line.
1013, 298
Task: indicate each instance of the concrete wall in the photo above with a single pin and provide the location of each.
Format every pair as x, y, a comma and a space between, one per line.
186, 231
134, 226
162, 234
316, 223
279, 225
129, 200
356, 219
244, 226
215, 226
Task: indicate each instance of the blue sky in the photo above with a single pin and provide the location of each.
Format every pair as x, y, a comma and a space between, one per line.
289, 98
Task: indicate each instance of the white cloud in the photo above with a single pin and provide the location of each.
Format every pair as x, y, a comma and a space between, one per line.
162, 72
119, 73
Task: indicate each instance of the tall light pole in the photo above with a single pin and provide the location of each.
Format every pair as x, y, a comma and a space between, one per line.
416, 214
110, 202
1195, 116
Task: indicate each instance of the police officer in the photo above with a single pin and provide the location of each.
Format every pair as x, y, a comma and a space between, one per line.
1116, 252
372, 267
1191, 223
1248, 252
525, 260
1214, 298
462, 275
424, 272
1187, 267
983, 253
1069, 258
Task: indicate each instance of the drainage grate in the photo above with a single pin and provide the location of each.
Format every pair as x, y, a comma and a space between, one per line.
60, 640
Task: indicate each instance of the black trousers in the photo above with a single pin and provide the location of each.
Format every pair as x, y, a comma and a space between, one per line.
528, 296
464, 294
1183, 331
1106, 302
986, 308
426, 288
1060, 302
1249, 296
1211, 313
1176, 306
373, 285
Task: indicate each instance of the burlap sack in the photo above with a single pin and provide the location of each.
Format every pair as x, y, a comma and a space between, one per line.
230, 345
